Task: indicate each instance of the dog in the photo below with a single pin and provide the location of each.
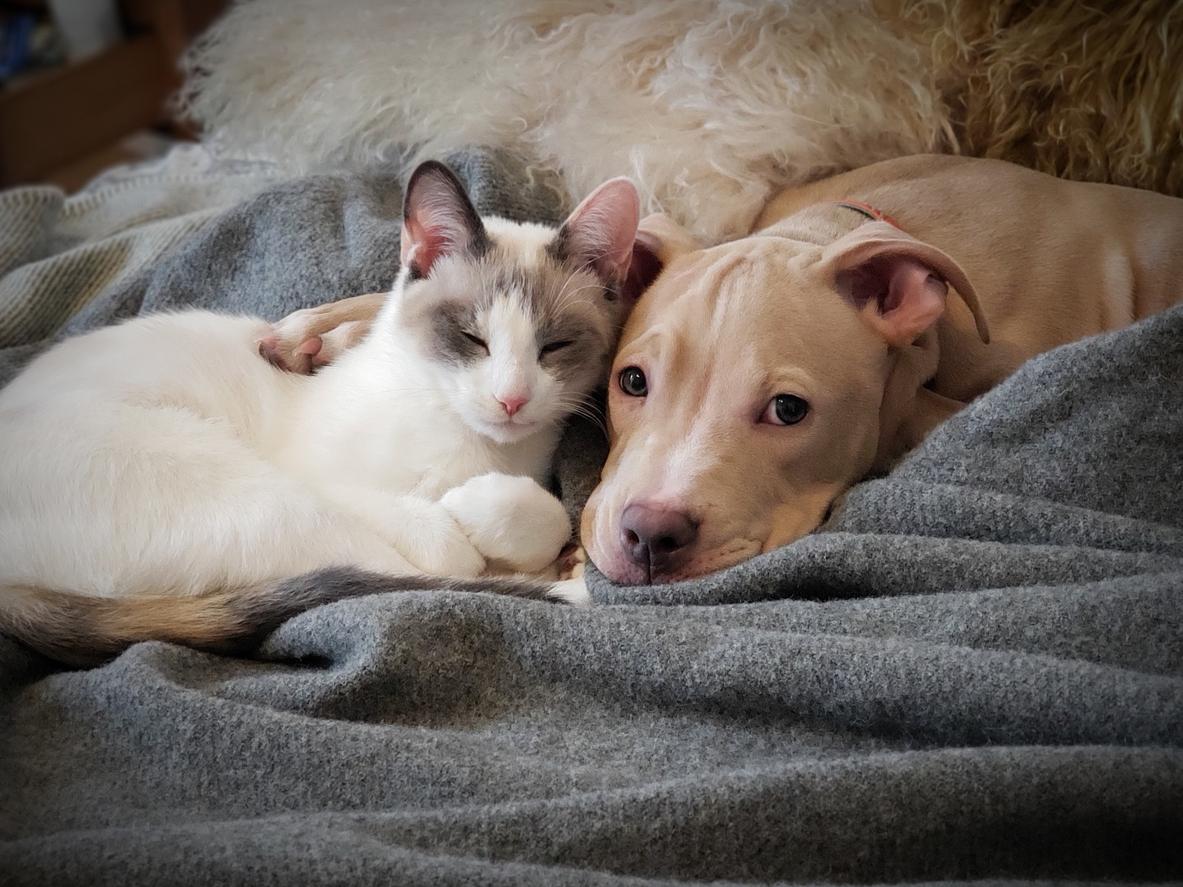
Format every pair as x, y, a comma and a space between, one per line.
758, 380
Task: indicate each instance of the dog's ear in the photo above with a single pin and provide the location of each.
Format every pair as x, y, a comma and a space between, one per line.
897, 282
665, 238
642, 270
659, 239
601, 231
438, 219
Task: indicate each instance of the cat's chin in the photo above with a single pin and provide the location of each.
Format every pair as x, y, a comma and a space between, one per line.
504, 432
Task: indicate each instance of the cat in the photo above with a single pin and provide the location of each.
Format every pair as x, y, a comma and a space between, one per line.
158, 480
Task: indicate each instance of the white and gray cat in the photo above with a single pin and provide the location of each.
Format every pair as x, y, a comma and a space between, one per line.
159, 481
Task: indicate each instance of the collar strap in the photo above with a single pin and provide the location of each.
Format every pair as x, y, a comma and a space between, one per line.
865, 209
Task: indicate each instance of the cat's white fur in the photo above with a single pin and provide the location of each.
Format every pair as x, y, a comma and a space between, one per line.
163, 456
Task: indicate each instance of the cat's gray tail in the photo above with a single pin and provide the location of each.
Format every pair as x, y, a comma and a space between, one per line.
83, 630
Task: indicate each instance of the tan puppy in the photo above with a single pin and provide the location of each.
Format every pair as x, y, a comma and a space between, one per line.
756, 381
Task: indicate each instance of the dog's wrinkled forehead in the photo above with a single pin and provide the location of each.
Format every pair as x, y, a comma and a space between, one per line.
727, 289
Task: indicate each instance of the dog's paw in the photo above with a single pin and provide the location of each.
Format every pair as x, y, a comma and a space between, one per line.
511, 520
308, 339
299, 358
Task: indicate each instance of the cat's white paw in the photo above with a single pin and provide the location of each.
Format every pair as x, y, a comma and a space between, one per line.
435, 543
573, 591
511, 520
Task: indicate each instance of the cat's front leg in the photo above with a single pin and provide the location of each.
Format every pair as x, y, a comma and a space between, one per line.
313, 337
511, 520
431, 538
422, 531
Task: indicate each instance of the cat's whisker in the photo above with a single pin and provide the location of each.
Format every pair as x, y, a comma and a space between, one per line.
598, 423
563, 288
566, 300
585, 409
563, 298
572, 293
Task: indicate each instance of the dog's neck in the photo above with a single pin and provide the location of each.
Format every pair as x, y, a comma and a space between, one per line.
825, 223
957, 363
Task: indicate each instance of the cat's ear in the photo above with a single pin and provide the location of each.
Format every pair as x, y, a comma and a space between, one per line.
438, 219
600, 233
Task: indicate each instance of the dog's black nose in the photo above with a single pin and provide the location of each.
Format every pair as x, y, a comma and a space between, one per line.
654, 537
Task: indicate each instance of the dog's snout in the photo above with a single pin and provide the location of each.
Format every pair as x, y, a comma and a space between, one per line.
653, 537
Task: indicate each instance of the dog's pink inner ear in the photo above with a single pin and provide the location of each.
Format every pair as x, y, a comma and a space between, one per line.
438, 218
602, 230
898, 295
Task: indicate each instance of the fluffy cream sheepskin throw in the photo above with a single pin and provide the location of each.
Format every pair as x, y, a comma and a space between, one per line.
1084, 90
710, 105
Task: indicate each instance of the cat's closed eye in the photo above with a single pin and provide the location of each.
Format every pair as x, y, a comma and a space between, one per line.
552, 347
476, 340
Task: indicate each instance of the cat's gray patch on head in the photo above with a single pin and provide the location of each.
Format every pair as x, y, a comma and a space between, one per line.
563, 298
568, 304
564, 302
568, 363
451, 324
440, 310
560, 251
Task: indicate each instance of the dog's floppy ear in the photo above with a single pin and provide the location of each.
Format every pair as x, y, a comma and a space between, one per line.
438, 219
897, 282
665, 238
601, 230
659, 239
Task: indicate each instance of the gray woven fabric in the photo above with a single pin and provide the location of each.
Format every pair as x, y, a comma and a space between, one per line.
59, 253
975, 672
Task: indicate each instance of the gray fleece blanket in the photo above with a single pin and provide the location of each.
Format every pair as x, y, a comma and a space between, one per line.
975, 672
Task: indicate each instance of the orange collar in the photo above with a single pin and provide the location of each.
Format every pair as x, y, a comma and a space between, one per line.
869, 211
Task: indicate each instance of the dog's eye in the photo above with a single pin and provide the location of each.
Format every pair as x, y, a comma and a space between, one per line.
785, 409
552, 347
479, 342
632, 382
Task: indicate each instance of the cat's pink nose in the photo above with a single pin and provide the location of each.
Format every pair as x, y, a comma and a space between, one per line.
512, 404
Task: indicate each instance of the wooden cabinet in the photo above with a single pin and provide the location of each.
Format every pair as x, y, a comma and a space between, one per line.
52, 118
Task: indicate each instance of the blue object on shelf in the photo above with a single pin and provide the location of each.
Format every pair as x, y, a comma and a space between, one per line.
16, 39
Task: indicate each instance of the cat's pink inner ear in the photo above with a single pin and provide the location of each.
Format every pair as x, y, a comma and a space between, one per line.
602, 229
438, 218
427, 238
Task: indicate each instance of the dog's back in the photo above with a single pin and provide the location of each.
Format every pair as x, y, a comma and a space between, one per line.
1053, 261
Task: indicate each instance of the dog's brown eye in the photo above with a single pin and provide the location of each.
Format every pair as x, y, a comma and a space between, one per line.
552, 347
480, 343
785, 409
633, 383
